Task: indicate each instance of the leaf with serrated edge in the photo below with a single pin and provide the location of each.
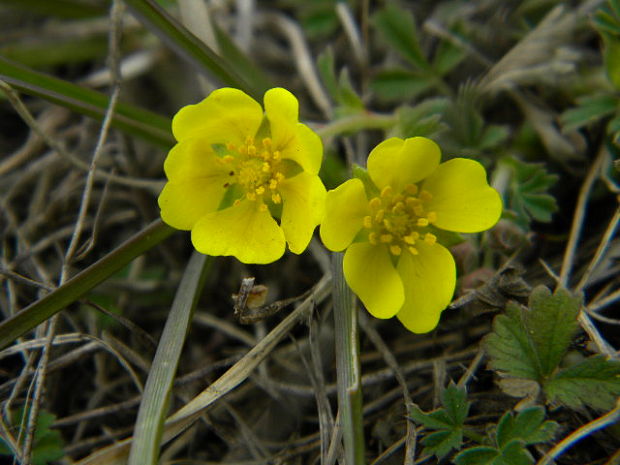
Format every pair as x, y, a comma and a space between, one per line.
595, 382
480, 455
528, 426
551, 323
509, 347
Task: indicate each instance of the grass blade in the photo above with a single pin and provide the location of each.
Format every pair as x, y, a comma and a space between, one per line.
80, 284
190, 47
154, 405
132, 120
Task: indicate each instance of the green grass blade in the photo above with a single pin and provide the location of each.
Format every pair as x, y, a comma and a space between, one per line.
154, 405
132, 120
190, 47
80, 284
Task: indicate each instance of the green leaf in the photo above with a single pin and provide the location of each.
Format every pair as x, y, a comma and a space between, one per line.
528, 196
594, 382
132, 120
589, 109
447, 57
397, 27
48, 444
67, 9
398, 84
479, 455
447, 421
326, 67
191, 48
551, 324
509, 347
424, 119
155, 398
530, 343
528, 426
81, 283
514, 453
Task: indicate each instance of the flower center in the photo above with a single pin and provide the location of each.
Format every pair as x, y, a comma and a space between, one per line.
256, 169
399, 220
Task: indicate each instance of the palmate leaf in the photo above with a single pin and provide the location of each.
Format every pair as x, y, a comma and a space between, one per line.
530, 343
447, 421
589, 109
594, 382
528, 191
512, 436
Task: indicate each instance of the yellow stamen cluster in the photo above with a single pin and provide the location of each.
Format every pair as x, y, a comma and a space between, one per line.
398, 219
256, 168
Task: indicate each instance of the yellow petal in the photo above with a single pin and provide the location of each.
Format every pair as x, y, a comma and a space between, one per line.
193, 158
304, 205
226, 116
462, 198
243, 231
184, 202
345, 209
369, 272
294, 140
396, 162
429, 278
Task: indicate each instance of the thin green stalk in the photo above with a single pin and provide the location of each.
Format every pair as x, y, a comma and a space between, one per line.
39, 311
348, 366
154, 406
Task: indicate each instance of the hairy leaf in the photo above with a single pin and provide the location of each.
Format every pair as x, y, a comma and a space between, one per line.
595, 382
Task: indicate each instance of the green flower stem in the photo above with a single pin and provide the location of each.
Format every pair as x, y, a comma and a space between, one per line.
348, 366
356, 123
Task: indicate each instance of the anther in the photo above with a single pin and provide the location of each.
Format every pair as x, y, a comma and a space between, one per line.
275, 198
260, 190
277, 155
227, 158
413, 250
379, 216
395, 249
251, 195
386, 191
375, 203
426, 196
422, 222
372, 238
262, 207
413, 202
430, 239
409, 239
279, 176
398, 208
367, 222
418, 210
266, 167
411, 189
231, 147
251, 150
432, 217
273, 184
266, 142
386, 238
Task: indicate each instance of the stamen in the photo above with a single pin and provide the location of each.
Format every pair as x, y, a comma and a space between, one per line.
419, 210
386, 238
398, 208
367, 222
386, 192
251, 150
236, 202
250, 195
422, 222
277, 155
227, 158
260, 190
379, 216
413, 250
266, 142
413, 202
432, 217
411, 189
275, 198
372, 238
231, 148
409, 239
266, 167
262, 207
375, 203
273, 184
395, 249
388, 224
430, 239
279, 176
426, 196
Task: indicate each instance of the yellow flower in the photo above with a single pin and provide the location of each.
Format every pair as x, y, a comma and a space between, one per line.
393, 261
244, 182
